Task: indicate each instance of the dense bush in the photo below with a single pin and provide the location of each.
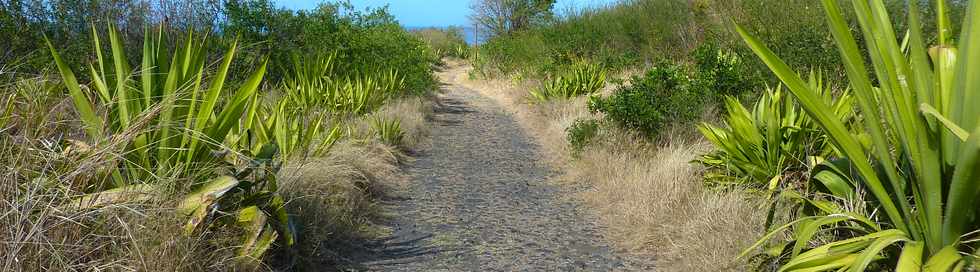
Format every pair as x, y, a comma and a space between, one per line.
663, 95
581, 133
722, 72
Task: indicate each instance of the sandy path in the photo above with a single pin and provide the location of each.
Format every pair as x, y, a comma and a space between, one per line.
478, 200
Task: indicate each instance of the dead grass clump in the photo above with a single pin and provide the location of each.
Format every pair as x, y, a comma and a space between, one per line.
334, 198
652, 200
44, 230
412, 113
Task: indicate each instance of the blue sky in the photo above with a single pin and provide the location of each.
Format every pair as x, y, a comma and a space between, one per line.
417, 13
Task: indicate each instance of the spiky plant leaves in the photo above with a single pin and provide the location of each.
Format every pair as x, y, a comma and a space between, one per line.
581, 78
772, 141
389, 131
92, 122
915, 155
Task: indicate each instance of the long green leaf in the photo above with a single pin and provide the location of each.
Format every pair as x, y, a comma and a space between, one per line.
963, 190
206, 110
911, 258
92, 122
833, 126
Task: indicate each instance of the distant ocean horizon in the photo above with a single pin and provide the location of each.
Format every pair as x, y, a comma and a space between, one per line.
469, 33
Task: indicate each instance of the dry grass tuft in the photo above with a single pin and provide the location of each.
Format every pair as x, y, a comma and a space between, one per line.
653, 202
335, 198
412, 112
648, 195
43, 231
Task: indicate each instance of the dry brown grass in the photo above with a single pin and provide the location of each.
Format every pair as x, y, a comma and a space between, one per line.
41, 229
335, 198
648, 195
412, 113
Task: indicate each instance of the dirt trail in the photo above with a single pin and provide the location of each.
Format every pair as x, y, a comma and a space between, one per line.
479, 200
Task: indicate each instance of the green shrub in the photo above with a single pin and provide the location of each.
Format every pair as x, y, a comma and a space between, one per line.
722, 72
581, 133
663, 95
581, 78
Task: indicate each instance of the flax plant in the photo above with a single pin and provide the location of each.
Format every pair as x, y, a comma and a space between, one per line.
581, 79
921, 169
772, 143
169, 120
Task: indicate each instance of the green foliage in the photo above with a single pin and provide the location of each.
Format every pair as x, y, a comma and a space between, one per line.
721, 72
634, 33
316, 86
581, 78
771, 144
389, 131
448, 42
661, 96
918, 158
362, 41
619, 37
190, 128
581, 133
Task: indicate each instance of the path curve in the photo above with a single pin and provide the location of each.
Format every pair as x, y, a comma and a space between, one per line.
479, 200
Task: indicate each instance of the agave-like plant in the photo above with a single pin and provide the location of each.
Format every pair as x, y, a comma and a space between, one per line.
388, 130
305, 85
170, 122
316, 87
461, 51
581, 79
167, 91
921, 168
293, 128
773, 142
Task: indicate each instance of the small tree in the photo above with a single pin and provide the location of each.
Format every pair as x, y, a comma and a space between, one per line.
501, 17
